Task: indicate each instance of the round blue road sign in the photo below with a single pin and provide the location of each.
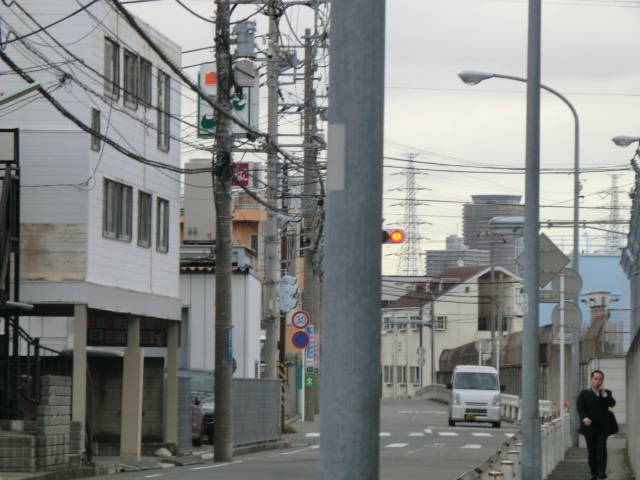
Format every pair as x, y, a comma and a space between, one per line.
300, 339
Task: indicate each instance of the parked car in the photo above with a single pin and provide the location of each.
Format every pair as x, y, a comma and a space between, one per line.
208, 408
197, 423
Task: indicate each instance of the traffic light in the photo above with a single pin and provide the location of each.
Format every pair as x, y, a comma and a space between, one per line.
392, 235
287, 288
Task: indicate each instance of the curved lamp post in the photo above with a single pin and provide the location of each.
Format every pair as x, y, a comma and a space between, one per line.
473, 78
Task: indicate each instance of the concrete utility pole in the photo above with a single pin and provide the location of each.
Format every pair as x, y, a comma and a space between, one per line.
272, 310
222, 176
310, 210
350, 393
531, 436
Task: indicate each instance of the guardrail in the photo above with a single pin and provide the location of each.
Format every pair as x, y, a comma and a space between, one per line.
506, 462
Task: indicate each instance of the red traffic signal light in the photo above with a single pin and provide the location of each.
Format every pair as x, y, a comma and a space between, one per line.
392, 235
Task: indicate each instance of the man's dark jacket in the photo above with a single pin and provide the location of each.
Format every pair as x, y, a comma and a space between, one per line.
596, 408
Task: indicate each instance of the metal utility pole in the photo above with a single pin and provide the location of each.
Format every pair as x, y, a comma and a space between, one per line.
310, 212
350, 393
222, 176
272, 311
531, 436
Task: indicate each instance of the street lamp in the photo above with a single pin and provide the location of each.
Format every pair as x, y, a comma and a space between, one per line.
473, 78
625, 140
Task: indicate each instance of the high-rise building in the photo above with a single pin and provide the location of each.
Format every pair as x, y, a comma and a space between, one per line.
455, 255
476, 232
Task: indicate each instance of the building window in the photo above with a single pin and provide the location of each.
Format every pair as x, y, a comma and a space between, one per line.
414, 374
441, 323
387, 373
163, 111
386, 323
130, 79
162, 225
144, 219
111, 69
117, 210
483, 324
95, 126
255, 244
144, 92
401, 370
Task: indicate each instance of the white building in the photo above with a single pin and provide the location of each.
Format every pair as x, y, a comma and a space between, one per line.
100, 213
460, 303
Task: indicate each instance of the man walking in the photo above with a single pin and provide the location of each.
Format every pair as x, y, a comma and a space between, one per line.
593, 408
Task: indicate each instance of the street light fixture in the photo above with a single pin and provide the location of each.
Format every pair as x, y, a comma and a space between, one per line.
625, 140
471, 77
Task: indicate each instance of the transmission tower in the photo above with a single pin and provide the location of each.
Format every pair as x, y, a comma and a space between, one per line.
410, 264
616, 234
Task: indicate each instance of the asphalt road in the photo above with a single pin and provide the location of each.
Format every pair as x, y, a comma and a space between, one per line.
415, 443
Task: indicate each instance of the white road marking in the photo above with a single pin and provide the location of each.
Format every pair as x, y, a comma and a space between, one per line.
385, 434
448, 434
313, 434
416, 434
216, 465
397, 445
481, 434
471, 445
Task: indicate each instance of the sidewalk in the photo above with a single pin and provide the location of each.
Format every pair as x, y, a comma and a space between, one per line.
107, 465
575, 466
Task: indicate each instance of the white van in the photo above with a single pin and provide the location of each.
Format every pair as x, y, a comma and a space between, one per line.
475, 395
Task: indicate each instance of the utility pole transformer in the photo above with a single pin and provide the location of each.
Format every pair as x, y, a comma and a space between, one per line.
222, 177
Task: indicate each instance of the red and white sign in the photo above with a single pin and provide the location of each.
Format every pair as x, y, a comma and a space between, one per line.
241, 172
300, 319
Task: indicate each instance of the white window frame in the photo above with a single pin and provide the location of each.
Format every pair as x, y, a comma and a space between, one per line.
130, 79
441, 322
145, 93
401, 371
387, 373
164, 98
145, 206
117, 210
162, 225
95, 126
414, 374
111, 69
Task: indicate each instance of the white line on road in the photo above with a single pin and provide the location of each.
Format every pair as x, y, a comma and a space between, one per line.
448, 434
397, 445
471, 445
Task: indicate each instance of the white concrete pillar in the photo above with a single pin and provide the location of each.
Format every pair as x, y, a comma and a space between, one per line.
132, 388
79, 381
171, 394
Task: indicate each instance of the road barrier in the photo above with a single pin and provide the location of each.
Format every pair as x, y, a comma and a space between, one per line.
506, 463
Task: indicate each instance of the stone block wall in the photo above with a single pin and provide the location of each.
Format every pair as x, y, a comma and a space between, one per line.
53, 424
17, 451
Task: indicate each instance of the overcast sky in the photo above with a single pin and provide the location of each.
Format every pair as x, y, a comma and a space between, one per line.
589, 54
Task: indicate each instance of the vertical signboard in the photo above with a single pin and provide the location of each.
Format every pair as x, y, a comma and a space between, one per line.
244, 101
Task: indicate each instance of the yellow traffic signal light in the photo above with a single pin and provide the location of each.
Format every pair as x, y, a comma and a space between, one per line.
392, 235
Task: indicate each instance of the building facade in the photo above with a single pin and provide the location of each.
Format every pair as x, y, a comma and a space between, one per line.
100, 190
458, 306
